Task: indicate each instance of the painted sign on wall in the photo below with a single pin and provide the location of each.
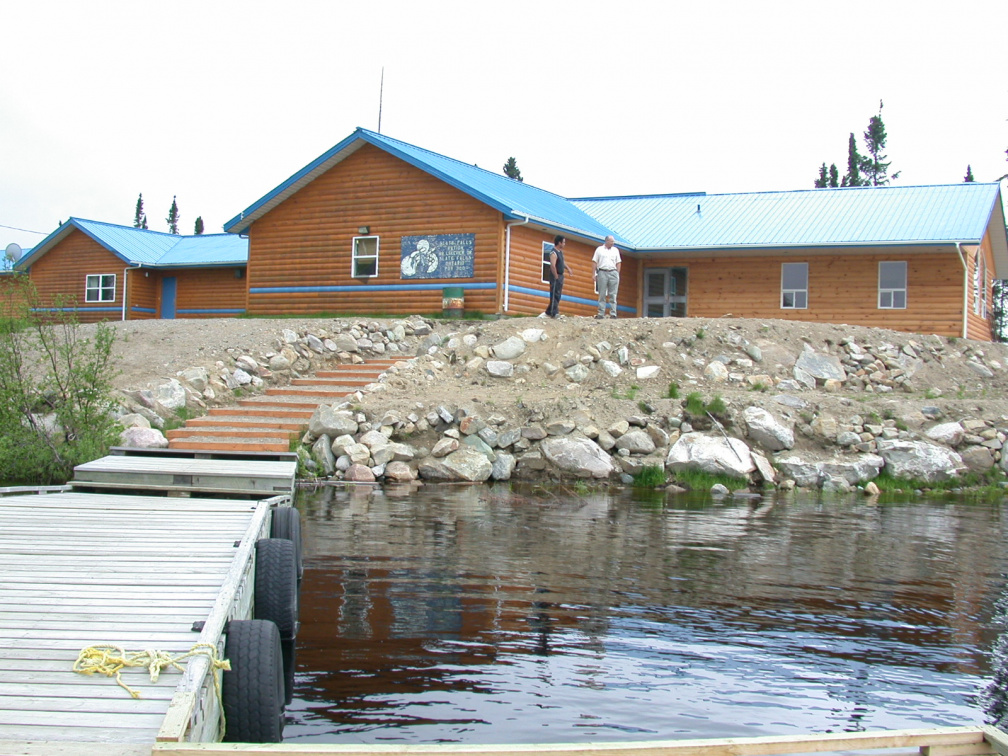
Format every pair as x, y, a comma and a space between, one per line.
438, 256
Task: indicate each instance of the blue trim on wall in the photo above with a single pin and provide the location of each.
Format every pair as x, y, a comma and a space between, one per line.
144, 310
365, 287
565, 298
214, 312
76, 309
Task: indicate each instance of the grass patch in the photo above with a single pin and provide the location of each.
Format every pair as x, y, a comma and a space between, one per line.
631, 393
177, 420
984, 486
694, 480
650, 476
673, 391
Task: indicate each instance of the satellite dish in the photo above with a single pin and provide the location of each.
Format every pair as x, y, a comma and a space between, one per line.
13, 252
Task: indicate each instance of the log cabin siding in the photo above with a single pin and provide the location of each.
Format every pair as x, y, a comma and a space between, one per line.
62, 273
142, 299
208, 292
529, 294
841, 288
979, 323
302, 249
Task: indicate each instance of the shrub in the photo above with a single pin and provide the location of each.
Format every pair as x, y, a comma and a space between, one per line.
55, 389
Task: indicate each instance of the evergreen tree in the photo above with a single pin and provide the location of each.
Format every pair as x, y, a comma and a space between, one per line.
834, 176
511, 169
199, 225
968, 178
173, 217
823, 181
854, 160
875, 165
139, 218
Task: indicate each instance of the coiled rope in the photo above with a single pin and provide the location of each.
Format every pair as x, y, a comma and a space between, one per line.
110, 660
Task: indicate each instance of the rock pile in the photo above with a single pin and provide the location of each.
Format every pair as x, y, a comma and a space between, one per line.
804, 404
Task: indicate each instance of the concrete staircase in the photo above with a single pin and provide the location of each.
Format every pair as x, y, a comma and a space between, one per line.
267, 422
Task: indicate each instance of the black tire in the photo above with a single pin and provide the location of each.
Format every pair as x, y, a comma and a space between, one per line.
253, 690
287, 524
289, 649
276, 589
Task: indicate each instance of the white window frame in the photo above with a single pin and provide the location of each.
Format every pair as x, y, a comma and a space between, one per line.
794, 293
888, 297
357, 257
547, 249
97, 287
980, 285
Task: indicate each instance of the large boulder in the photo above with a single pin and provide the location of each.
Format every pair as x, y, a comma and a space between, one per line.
143, 438
822, 367
577, 455
711, 454
950, 434
766, 430
919, 460
509, 348
329, 421
637, 441
468, 464
816, 473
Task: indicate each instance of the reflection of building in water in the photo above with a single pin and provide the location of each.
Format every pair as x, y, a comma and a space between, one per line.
408, 590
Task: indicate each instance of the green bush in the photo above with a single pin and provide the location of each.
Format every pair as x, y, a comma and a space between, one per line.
55, 389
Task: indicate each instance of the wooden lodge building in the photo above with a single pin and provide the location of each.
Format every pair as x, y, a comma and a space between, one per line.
109, 272
379, 226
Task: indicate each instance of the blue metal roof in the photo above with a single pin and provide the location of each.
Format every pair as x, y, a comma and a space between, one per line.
515, 199
810, 218
137, 246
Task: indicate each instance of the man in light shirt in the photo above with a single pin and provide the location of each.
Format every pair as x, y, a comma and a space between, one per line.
606, 264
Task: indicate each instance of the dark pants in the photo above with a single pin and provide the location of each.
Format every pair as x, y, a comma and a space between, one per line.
556, 289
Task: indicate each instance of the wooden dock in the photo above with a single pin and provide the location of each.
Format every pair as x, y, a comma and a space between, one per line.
188, 473
139, 572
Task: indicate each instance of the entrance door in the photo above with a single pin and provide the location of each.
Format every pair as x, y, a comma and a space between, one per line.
664, 292
168, 298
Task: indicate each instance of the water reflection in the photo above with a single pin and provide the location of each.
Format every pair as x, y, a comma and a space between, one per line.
475, 614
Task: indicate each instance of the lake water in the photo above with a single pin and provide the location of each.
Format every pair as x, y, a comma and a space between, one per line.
479, 615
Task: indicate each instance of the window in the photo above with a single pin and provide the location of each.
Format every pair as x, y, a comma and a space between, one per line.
892, 281
547, 249
794, 286
365, 256
100, 288
979, 285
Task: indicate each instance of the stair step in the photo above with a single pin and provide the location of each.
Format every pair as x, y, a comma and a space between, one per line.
336, 380
233, 431
244, 421
269, 409
228, 444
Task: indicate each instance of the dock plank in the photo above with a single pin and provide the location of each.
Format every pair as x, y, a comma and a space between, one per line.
93, 569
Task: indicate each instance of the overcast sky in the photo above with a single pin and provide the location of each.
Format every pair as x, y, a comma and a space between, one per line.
219, 102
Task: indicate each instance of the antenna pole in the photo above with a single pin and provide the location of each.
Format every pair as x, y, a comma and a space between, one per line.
381, 92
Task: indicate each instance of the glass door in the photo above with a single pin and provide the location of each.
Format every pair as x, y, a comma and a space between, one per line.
664, 292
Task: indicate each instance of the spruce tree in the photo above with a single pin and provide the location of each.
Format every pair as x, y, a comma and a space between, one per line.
199, 225
875, 165
173, 217
968, 178
823, 181
854, 160
511, 169
139, 219
834, 176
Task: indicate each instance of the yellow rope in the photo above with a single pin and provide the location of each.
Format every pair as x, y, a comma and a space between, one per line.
110, 660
